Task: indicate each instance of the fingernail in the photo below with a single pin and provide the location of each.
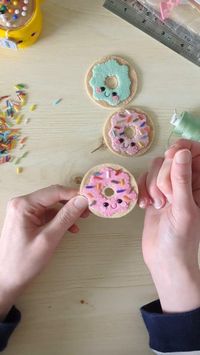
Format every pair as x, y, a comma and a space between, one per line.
158, 204
80, 202
173, 146
75, 229
142, 203
183, 157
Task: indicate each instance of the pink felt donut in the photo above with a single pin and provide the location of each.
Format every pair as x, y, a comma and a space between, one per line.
128, 132
110, 189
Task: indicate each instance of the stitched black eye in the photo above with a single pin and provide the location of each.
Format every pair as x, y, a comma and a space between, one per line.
132, 144
19, 42
106, 204
102, 88
33, 34
119, 200
121, 140
114, 94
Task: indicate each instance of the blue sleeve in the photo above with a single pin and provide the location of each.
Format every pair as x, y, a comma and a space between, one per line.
172, 332
8, 325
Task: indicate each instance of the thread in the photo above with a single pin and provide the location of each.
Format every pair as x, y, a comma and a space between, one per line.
186, 126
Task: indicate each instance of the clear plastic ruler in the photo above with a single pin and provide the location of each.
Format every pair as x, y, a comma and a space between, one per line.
168, 32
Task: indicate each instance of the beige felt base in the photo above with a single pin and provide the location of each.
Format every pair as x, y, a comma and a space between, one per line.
86, 179
107, 138
132, 75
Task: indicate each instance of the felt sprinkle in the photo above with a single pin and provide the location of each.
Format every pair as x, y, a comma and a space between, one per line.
19, 170
33, 107
115, 181
98, 178
23, 140
107, 174
140, 144
5, 159
20, 158
145, 136
97, 173
19, 119
113, 133
119, 191
117, 127
143, 124
118, 171
24, 155
126, 198
3, 97
27, 120
129, 119
20, 86
56, 102
89, 187
17, 161
90, 195
122, 182
98, 187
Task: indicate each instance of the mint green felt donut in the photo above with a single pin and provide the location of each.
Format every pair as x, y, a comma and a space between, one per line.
101, 92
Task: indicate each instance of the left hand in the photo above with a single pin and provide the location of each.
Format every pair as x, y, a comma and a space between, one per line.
32, 230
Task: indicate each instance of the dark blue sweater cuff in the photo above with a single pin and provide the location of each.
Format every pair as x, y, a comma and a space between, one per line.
8, 325
171, 332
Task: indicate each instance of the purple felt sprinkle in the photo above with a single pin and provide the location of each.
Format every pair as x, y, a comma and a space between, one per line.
89, 187
143, 124
121, 190
115, 181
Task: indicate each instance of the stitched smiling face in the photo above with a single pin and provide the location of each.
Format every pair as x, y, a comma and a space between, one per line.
104, 73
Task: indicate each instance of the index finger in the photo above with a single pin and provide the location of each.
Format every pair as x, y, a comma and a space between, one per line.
193, 146
50, 195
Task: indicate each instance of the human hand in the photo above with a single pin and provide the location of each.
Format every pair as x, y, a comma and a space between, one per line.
34, 226
170, 192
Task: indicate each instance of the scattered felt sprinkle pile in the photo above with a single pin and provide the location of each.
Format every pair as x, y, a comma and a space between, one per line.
11, 139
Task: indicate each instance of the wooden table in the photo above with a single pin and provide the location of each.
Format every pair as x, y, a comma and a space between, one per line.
103, 265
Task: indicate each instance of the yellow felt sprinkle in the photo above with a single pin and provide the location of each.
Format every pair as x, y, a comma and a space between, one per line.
140, 144
33, 107
18, 119
19, 170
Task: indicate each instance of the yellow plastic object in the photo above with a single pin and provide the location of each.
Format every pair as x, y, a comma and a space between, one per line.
26, 34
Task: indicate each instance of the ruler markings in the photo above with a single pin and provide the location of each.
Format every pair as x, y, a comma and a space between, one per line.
176, 37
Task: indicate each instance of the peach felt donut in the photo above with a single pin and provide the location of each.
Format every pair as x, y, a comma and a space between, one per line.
128, 132
110, 189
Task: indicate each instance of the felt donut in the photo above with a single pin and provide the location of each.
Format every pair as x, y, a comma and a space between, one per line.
111, 82
111, 190
128, 132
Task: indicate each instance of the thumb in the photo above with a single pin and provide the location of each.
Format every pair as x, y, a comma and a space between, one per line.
181, 179
67, 216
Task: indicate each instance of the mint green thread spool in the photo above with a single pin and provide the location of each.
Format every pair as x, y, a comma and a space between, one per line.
186, 126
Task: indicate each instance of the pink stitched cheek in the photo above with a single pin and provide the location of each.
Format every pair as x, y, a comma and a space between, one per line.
115, 98
98, 90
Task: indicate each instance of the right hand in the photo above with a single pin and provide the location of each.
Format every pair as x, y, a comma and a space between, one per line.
170, 192
32, 230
